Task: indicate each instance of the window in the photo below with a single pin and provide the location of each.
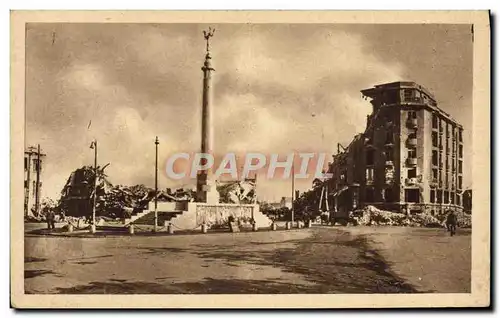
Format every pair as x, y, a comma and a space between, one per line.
25, 163
389, 155
408, 94
452, 197
369, 195
439, 196
435, 174
434, 139
460, 151
412, 114
389, 195
434, 121
433, 196
412, 173
458, 199
446, 197
460, 135
389, 138
435, 157
369, 174
412, 153
460, 182
412, 135
460, 166
370, 157
412, 195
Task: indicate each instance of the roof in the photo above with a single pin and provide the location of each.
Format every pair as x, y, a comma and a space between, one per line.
374, 92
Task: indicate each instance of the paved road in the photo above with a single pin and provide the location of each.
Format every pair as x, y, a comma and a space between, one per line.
317, 260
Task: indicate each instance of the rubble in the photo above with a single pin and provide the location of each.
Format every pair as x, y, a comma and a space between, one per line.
371, 215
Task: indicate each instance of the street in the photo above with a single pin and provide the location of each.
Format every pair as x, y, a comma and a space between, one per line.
316, 260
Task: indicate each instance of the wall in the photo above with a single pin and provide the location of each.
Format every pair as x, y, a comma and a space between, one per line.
199, 213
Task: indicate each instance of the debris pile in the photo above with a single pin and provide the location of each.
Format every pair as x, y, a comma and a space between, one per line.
464, 220
370, 215
112, 201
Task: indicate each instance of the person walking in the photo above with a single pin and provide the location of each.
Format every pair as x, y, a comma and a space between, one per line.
51, 223
451, 222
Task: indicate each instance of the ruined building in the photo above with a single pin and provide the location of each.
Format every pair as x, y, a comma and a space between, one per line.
409, 158
33, 163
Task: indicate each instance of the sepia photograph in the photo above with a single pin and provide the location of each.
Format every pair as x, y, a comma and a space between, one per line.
186, 158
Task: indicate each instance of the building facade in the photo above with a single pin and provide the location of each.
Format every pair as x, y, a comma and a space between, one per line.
409, 158
33, 170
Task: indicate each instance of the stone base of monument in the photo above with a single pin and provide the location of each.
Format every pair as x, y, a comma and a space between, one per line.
218, 214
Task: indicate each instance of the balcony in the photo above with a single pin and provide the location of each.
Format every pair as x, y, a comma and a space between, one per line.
389, 163
417, 100
434, 181
411, 142
411, 161
411, 181
411, 123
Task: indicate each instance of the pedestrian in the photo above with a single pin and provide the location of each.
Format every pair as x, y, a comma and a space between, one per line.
451, 222
51, 219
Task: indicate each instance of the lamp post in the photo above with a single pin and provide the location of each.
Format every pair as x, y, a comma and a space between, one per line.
93, 225
293, 190
157, 142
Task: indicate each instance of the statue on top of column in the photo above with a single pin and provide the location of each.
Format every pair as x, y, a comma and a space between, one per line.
207, 35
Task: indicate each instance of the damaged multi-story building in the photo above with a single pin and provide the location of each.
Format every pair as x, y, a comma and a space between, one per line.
408, 159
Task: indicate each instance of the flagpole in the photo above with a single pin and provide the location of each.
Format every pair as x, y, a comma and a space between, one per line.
293, 189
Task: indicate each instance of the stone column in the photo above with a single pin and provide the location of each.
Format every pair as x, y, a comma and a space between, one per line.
206, 188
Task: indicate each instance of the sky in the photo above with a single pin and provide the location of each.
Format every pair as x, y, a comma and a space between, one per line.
278, 88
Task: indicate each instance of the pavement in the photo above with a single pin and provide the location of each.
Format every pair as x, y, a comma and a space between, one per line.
316, 260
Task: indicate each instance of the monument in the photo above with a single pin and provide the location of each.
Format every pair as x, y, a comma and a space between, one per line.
206, 190
208, 210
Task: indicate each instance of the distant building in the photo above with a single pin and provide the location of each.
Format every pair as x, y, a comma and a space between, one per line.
33, 169
409, 158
